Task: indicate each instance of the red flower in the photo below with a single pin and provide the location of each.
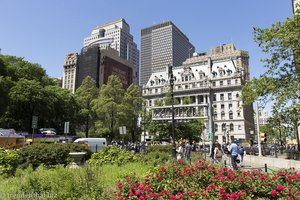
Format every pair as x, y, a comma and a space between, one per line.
120, 186
132, 188
274, 177
121, 198
233, 196
142, 197
203, 194
165, 191
172, 197
262, 178
273, 193
280, 188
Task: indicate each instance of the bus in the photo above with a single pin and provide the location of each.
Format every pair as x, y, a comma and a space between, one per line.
10, 140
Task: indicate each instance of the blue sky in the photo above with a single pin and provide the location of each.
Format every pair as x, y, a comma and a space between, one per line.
44, 31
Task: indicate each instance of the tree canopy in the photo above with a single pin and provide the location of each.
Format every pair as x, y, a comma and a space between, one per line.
281, 81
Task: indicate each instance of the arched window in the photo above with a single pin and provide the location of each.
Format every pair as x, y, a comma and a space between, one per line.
216, 127
231, 127
230, 115
222, 115
224, 127
215, 115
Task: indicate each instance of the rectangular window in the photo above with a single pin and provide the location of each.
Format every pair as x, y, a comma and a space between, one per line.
222, 106
228, 82
215, 97
221, 83
230, 106
214, 83
222, 97
229, 96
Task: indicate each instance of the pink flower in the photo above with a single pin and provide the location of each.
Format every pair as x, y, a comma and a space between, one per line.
273, 193
131, 194
280, 188
274, 177
120, 186
137, 193
233, 196
121, 198
172, 197
140, 187
132, 188
142, 197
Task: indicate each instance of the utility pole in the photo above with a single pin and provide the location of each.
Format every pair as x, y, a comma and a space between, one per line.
258, 131
171, 77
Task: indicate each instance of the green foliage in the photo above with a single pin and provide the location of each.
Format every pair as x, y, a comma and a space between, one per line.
186, 100
113, 155
108, 103
203, 180
26, 90
8, 162
50, 154
58, 183
280, 83
130, 109
84, 95
158, 102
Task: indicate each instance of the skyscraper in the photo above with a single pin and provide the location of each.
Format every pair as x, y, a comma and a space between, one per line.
116, 35
162, 44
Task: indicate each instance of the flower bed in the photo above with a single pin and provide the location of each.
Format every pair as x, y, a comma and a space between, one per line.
206, 181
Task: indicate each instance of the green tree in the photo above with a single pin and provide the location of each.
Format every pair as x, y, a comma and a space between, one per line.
281, 81
168, 99
108, 104
84, 96
158, 102
26, 99
187, 100
130, 109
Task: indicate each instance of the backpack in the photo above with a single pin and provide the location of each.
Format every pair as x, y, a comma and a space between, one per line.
241, 151
219, 154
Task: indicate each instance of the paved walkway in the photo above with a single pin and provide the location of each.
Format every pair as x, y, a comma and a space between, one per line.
262, 162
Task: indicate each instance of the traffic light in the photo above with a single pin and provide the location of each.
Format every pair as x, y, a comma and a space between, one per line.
263, 137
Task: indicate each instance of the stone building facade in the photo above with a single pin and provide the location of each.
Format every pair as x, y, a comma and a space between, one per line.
213, 84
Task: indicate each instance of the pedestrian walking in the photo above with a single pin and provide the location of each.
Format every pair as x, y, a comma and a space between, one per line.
233, 149
241, 152
218, 154
188, 149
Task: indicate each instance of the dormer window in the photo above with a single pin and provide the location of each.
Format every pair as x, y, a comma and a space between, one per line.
222, 73
229, 72
214, 74
151, 82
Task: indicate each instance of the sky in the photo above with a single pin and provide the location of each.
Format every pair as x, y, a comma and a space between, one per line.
45, 31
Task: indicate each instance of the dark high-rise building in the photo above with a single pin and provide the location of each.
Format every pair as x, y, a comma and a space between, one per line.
100, 64
162, 44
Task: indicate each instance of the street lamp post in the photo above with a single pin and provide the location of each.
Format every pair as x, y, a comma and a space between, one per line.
171, 76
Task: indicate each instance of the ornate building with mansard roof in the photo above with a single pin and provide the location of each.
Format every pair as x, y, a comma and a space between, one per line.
212, 83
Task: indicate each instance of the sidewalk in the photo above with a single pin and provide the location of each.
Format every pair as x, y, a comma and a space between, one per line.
264, 163
271, 162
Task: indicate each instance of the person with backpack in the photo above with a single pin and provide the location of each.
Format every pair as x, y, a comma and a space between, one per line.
241, 152
233, 149
218, 154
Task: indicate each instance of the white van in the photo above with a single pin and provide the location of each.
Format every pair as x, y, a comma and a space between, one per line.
96, 144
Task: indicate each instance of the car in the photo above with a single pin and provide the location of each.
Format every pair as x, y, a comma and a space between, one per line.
253, 150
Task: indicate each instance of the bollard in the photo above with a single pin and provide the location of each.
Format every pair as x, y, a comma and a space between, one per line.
266, 167
96, 147
225, 163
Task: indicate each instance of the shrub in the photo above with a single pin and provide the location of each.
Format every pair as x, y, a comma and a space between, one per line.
113, 155
8, 162
160, 148
50, 154
205, 181
57, 183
